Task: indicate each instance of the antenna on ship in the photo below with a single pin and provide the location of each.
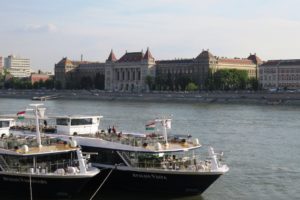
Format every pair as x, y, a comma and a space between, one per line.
38, 111
166, 124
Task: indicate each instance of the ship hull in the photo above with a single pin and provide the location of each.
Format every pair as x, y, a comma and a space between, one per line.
155, 182
21, 186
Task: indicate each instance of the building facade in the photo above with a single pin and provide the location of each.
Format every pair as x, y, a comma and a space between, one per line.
129, 72
64, 70
71, 72
198, 69
17, 66
1, 65
38, 77
280, 74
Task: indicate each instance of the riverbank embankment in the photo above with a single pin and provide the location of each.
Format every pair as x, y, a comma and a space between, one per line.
242, 97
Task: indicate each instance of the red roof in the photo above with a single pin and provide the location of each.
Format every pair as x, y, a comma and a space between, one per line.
148, 55
235, 61
111, 57
132, 57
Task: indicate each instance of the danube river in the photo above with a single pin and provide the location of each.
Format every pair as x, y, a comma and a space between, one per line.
261, 144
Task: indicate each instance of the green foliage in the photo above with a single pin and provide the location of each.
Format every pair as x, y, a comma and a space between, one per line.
181, 81
191, 87
159, 82
99, 81
150, 82
18, 83
49, 84
87, 83
58, 85
169, 82
228, 79
253, 83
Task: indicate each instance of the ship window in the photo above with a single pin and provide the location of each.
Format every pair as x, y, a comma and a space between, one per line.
62, 122
4, 124
107, 156
81, 121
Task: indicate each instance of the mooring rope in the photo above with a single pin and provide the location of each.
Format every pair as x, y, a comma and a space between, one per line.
102, 183
30, 187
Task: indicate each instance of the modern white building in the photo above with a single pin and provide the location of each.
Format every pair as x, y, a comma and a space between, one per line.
280, 74
17, 66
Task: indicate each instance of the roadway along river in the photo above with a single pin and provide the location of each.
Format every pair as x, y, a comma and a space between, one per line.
260, 143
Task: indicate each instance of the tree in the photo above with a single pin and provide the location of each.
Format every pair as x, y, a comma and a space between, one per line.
49, 84
253, 82
182, 81
99, 81
58, 85
159, 82
226, 79
86, 83
150, 82
169, 82
191, 87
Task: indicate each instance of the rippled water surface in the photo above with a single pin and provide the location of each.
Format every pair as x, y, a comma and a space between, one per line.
261, 143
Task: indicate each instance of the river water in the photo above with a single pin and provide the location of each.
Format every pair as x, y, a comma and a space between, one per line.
261, 143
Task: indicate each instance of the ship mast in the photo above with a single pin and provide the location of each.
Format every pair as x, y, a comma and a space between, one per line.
166, 124
36, 111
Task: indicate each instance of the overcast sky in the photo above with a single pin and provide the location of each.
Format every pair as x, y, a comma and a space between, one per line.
47, 30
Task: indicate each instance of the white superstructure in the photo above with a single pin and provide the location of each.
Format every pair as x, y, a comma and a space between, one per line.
17, 66
77, 124
5, 125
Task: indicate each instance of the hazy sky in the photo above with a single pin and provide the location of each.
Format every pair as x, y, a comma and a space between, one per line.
47, 30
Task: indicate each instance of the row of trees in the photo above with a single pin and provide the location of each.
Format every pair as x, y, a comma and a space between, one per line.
231, 79
87, 82
224, 79
174, 83
18, 83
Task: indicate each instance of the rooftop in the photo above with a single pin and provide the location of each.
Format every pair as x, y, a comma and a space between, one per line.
132, 57
288, 62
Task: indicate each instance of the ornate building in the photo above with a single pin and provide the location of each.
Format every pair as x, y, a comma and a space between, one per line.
198, 69
280, 74
63, 70
129, 72
73, 71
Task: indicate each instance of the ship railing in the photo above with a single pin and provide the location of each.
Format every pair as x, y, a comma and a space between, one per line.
3, 164
15, 143
138, 141
184, 164
61, 167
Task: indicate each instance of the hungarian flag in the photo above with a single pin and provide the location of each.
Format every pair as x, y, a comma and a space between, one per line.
21, 115
150, 126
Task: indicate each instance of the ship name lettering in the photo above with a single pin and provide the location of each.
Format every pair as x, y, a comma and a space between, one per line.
149, 176
25, 180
